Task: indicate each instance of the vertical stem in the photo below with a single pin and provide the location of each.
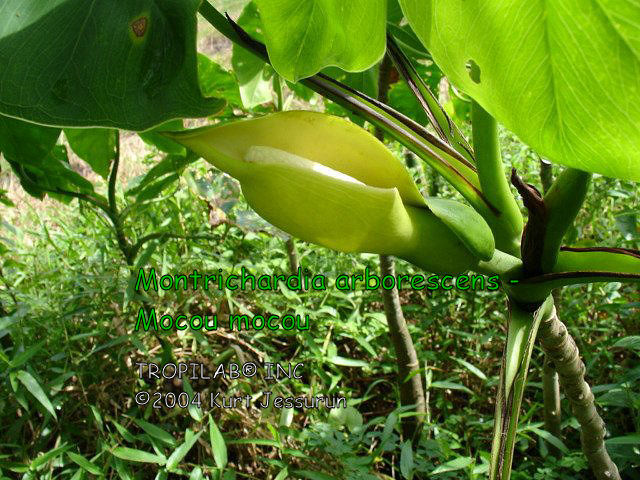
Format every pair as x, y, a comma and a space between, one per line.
113, 177
561, 348
411, 392
546, 175
550, 379
508, 226
428, 378
522, 329
123, 243
551, 396
292, 253
277, 87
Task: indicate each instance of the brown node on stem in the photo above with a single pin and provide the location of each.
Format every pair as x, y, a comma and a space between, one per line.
534, 232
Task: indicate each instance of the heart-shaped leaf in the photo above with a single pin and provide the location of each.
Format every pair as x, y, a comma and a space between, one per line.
303, 37
123, 64
564, 75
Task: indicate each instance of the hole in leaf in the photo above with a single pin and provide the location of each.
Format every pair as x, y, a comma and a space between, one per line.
474, 70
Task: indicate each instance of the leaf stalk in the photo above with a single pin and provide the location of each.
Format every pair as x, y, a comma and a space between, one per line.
507, 227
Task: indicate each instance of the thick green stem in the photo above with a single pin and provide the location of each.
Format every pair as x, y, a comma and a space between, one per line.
220, 23
521, 334
507, 227
277, 87
561, 348
562, 203
546, 175
576, 266
550, 380
446, 129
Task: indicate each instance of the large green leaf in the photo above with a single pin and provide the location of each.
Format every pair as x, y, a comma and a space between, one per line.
564, 75
128, 64
303, 37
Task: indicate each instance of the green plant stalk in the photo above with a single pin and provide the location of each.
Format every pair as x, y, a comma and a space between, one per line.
507, 227
574, 266
546, 175
455, 169
551, 400
561, 348
406, 358
123, 243
446, 129
292, 255
550, 380
522, 328
220, 22
562, 203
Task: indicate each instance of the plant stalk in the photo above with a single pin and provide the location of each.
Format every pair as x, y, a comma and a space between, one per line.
551, 399
410, 384
123, 243
562, 202
522, 328
560, 347
550, 379
446, 129
508, 226
546, 175
292, 254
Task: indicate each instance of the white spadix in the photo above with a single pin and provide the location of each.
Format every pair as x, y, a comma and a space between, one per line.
273, 156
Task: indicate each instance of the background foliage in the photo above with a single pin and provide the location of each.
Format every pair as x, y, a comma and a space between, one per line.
67, 306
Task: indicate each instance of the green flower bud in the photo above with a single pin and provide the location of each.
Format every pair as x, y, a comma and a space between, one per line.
327, 181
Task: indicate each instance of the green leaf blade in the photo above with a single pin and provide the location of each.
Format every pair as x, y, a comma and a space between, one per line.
549, 71
181, 452
84, 463
218, 445
304, 37
96, 146
132, 65
32, 385
133, 455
